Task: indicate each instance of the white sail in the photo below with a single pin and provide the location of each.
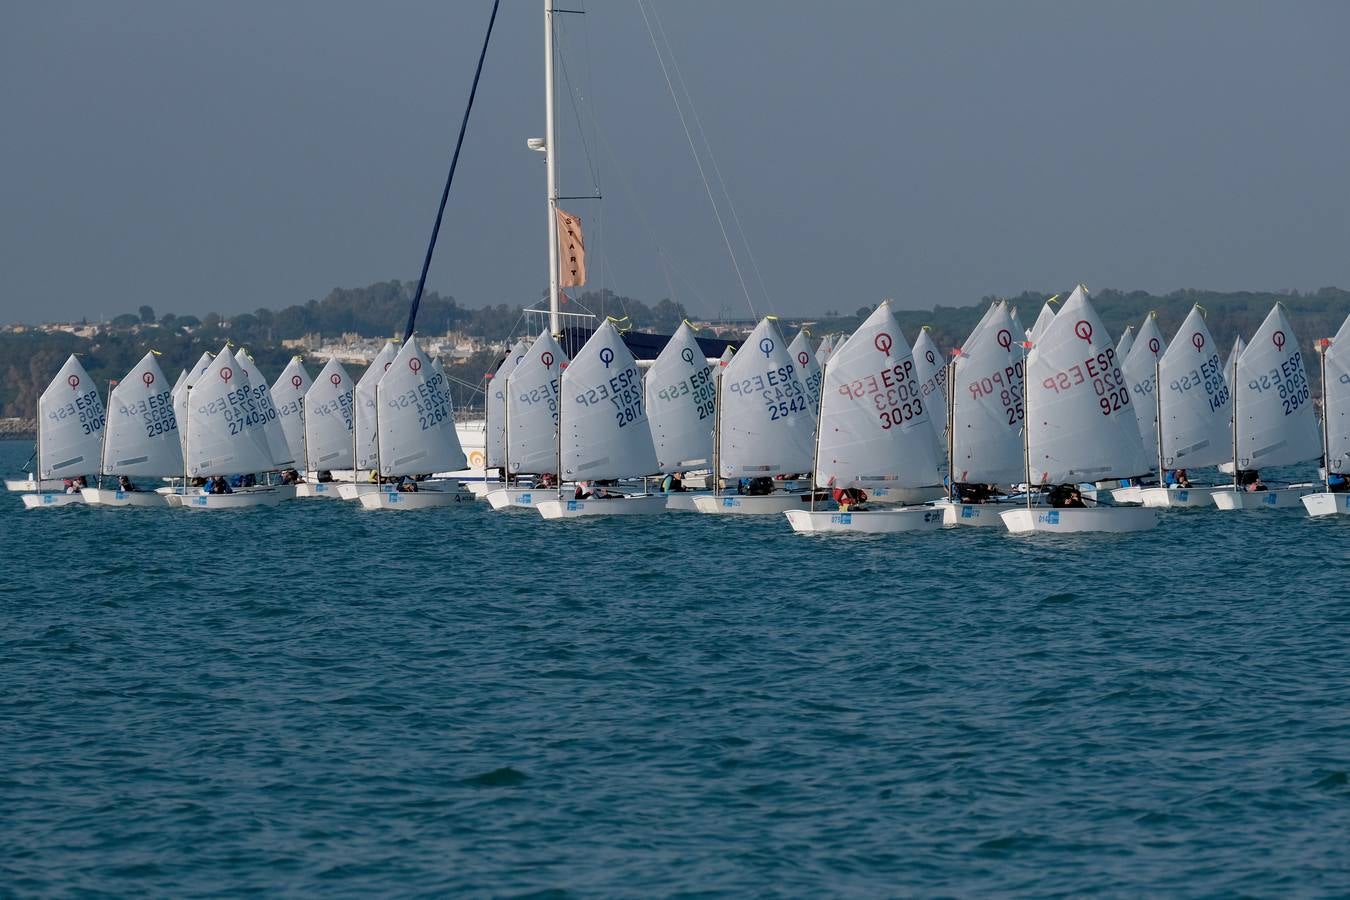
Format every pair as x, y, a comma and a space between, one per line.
681, 395
180, 391
328, 420
416, 421
604, 416
1047, 315
532, 407
987, 402
363, 406
765, 417
874, 428
932, 374
1078, 403
262, 396
1230, 364
1019, 330
1275, 420
225, 428
288, 395
1125, 343
1336, 400
70, 424
142, 434
800, 351
1141, 373
1196, 403
824, 349
495, 448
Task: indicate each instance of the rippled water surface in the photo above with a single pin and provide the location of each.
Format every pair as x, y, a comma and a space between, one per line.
320, 699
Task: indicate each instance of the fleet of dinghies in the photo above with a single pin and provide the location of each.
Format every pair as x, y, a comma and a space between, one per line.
864, 433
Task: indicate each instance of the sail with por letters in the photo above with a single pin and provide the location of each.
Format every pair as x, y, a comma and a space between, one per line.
767, 426
142, 437
1141, 374
70, 424
800, 351
1336, 400
1276, 425
416, 428
1196, 403
1078, 402
681, 394
932, 375
532, 407
874, 428
363, 406
495, 439
987, 405
604, 417
262, 396
225, 428
288, 396
328, 420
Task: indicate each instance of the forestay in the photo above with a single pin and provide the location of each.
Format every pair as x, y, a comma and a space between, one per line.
288, 395
1196, 403
328, 420
1336, 400
262, 396
142, 434
931, 370
987, 407
225, 430
808, 366
681, 396
363, 407
604, 417
1141, 374
874, 422
1275, 420
70, 424
416, 421
495, 405
765, 415
532, 407
1078, 406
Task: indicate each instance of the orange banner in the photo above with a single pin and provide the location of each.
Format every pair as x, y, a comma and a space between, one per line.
571, 250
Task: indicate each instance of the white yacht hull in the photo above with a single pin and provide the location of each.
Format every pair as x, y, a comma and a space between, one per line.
1176, 498
50, 498
520, 498
871, 521
981, 515
906, 495
240, 499
1108, 519
114, 497
1324, 504
420, 499
1275, 498
636, 505
747, 505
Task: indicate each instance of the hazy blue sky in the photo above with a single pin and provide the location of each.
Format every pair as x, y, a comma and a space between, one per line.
227, 156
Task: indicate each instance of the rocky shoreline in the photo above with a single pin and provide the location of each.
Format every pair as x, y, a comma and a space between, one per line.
18, 429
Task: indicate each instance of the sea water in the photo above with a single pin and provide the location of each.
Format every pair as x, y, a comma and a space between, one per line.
320, 699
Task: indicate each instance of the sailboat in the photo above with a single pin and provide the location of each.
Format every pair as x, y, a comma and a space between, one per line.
282, 457
288, 396
931, 370
69, 434
873, 432
800, 351
494, 419
327, 430
1273, 420
363, 426
681, 395
603, 432
763, 426
1141, 374
985, 416
1335, 355
225, 434
415, 433
530, 440
1192, 406
140, 439
1043, 320
1079, 426
1125, 343
824, 349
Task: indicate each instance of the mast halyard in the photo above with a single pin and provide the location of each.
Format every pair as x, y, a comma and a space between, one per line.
551, 165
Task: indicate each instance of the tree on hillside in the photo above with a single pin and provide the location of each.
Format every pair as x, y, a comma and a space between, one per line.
147, 314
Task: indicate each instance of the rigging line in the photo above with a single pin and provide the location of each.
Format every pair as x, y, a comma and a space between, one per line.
698, 125
642, 6
454, 162
561, 60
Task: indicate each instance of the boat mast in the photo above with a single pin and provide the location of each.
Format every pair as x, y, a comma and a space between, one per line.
717, 436
1322, 347
1235, 393
551, 165
1026, 420
103, 444
951, 425
815, 454
1157, 414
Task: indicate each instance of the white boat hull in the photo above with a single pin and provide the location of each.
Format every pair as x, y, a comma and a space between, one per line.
420, 499
905, 495
520, 498
871, 521
1177, 498
30, 485
240, 499
354, 491
981, 515
1324, 504
638, 505
1105, 519
1276, 498
480, 489
1128, 496
50, 498
114, 497
747, 505
683, 501
318, 489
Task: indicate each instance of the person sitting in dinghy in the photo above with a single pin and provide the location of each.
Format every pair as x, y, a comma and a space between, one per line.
218, 485
407, 485
673, 483
850, 499
126, 485
291, 476
545, 480
1066, 496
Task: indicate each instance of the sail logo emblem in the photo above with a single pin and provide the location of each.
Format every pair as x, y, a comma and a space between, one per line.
1278, 340
928, 355
802, 358
883, 342
415, 364
1005, 339
1198, 340
547, 359
148, 378
607, 356
296, 381
687, 355
226, 373
1084, 330
1154, 346
73, 381
766, 347
335, 378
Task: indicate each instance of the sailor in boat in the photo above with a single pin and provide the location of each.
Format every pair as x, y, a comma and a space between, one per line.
970, 492
545, 480
1066, 496
1337, 483
1250, 480
291, 476
408, 485
126, 485
673, 483
755, 487
325, 477
1177, 478
75, 485
850, 499
218, 485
